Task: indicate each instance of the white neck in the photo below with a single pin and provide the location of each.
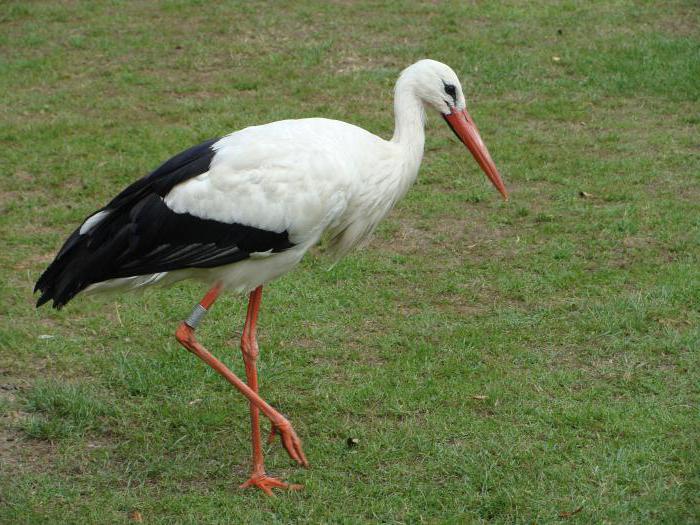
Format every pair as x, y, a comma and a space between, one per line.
409, 117
409, 131
390, 181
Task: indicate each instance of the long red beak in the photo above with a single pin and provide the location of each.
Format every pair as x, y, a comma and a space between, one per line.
464, 127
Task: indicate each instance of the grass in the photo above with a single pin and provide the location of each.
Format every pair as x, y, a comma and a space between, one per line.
535, 361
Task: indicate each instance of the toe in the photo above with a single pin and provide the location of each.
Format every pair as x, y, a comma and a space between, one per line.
267, 483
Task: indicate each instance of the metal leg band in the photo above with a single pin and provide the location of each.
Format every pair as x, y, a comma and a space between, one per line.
196, 316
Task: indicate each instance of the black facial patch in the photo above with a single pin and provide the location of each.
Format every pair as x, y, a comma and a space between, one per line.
451, 90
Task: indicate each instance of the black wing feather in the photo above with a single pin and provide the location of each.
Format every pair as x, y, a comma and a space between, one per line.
181, 167
141, 235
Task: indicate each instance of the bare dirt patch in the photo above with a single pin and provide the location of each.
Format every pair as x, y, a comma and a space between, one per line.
446, 235
17, 452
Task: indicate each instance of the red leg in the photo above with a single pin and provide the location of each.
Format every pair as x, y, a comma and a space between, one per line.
185, 336
249, 346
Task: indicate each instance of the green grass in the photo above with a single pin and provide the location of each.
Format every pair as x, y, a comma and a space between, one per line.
498, 363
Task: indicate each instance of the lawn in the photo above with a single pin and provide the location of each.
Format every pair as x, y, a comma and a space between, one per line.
520, 362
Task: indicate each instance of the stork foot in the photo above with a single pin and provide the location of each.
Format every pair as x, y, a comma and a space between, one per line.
290, 441
267, 483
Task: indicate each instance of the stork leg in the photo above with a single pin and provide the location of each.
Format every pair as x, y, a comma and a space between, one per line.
249, 347
290, 441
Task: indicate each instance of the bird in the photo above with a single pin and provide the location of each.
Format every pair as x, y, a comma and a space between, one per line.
239, 211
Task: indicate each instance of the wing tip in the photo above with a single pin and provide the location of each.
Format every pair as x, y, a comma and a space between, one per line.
44, 298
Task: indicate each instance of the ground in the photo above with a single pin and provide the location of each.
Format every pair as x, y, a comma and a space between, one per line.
521, 362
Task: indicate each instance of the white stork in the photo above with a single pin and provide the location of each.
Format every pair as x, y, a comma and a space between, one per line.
239, 211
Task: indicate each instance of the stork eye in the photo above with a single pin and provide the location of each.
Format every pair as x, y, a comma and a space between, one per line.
451, 90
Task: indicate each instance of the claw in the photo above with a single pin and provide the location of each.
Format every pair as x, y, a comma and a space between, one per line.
291, 442
267, 483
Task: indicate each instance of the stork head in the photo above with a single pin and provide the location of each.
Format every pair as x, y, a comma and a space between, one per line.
438, 87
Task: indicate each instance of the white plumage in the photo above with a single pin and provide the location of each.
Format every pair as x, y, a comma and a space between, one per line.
304, 177
239, 211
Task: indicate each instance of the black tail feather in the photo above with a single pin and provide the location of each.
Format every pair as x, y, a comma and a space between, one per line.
91, 257
138, 234
60, 282
80, 263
